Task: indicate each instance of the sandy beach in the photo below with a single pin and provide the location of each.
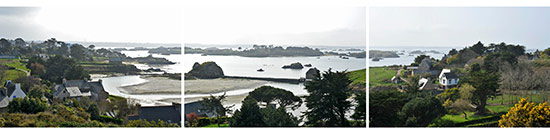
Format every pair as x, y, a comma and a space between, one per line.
154, 85
206, 86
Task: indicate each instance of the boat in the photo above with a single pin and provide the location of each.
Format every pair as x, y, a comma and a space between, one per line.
343, 57
376, 59
203, 54
260, 70
307, 65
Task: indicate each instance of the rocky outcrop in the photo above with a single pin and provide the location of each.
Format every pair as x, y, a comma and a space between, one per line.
149, 60
312, 73
296, 65
206, 70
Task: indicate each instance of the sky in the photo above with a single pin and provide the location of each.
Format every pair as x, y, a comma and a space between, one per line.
93, 24
458, 26
330, 26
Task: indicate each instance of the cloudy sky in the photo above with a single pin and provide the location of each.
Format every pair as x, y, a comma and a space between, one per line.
93, 24
340, 26
459, 27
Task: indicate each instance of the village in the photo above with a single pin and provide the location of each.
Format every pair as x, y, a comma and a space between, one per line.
477, 86
48, 84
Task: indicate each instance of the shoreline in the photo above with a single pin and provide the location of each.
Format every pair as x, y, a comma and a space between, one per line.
197, 86
153, 86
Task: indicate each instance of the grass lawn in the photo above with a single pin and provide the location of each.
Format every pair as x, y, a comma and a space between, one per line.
12, 75
16, 63
380, 76
475, 120
216, 125
513, 99
358, 76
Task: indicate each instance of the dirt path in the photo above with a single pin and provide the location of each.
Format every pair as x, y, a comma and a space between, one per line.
28, 73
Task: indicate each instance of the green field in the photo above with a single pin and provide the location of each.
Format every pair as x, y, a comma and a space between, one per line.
381, 76
16, 63
13, 73
358, 76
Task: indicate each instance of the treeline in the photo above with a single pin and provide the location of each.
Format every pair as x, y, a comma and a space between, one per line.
331, 97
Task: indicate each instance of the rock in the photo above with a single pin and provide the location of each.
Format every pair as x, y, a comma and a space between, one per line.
206, 70
196, 65
296, 65
312, 73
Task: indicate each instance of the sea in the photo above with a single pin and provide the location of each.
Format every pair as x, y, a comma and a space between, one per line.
272, 66
406, 58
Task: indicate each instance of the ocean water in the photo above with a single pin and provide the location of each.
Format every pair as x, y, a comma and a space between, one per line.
247, 66
176, 58
407, 58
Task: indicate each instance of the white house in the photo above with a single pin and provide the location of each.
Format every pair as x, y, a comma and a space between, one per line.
447, 79
18, 92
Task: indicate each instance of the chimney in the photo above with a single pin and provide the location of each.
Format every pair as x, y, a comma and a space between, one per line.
64, 80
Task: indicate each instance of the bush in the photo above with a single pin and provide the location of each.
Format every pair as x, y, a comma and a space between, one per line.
107, 119
525, 114
204, 121
145, 123
27, 105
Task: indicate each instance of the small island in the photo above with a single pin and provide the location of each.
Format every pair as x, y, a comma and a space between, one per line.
382, 54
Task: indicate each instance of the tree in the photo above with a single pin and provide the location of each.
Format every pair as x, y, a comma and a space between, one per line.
269, 94
278, 117
327, 103
192, 118
78, 52
360, 112
452, 52
248, 116
462, 105
486, 85
29, 105
38, 91
37, 69
526, 114
59, 67
421, 111
384, 107
478, 48
419, 59
93, 109
27, 82
214, 104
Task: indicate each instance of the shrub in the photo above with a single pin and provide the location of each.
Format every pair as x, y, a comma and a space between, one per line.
525, 114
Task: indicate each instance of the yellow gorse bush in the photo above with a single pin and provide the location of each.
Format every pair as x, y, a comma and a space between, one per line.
525, 114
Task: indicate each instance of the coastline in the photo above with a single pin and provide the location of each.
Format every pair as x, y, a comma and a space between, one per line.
153, 85
198, 86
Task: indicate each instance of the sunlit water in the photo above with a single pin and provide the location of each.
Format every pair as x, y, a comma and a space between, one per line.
248, 66
176, 58
407, 59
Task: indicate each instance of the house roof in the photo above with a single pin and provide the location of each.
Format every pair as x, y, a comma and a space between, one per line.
169, 113
115, 59
4, 100
75, 92
196, 107
450, 75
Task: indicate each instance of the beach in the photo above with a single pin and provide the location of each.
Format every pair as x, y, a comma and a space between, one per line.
154, 85
208, 86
